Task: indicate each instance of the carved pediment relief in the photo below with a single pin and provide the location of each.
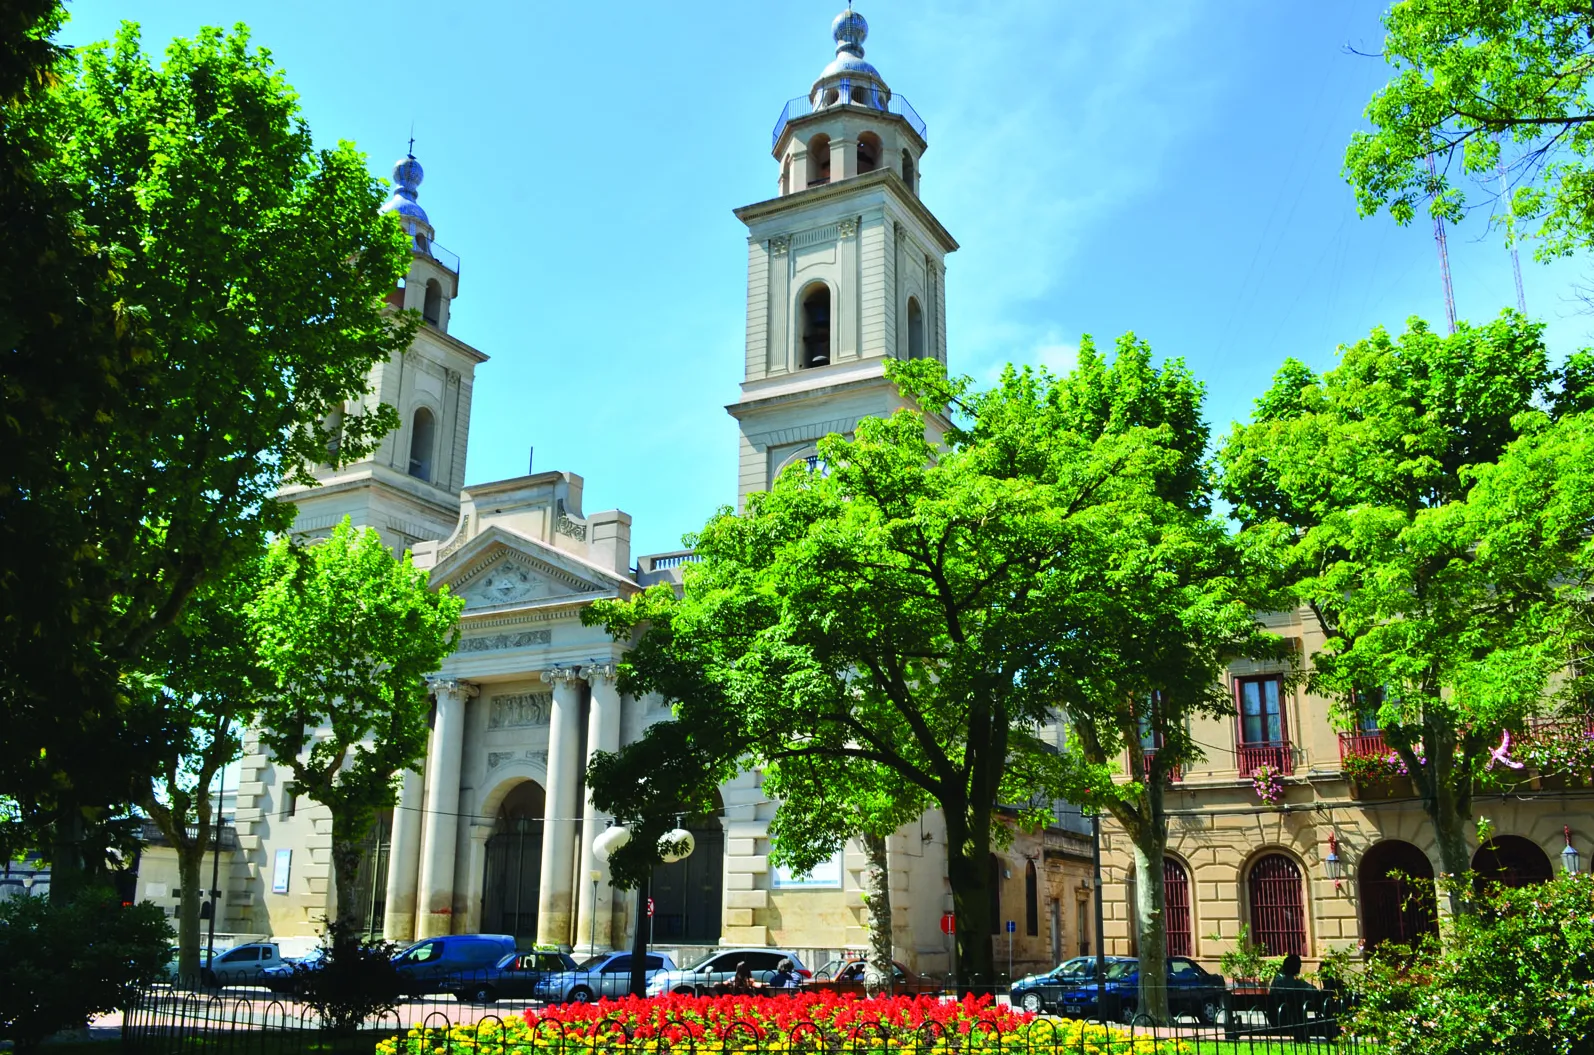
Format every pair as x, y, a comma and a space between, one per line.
512, 578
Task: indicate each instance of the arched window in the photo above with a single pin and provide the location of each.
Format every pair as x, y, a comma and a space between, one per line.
1512, 861
432, 307
996, 894
868, 152
1176, 907
818, 160
1395, 882
1032, 900
907, 171
915, 329
816, 325
1278, 913
422, 435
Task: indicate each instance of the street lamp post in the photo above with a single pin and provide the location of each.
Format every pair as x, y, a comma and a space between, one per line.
592, 934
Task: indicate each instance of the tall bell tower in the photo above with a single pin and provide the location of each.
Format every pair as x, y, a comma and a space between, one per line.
846, 267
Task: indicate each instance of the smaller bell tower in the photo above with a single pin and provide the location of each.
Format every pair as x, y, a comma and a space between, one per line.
408, 488
845, 267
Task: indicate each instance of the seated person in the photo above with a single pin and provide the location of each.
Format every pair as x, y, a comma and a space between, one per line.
742, 983
1288, 993
785, 976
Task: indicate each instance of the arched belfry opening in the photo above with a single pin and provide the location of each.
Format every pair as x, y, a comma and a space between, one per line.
514, 864
423, 436
908, 172
915, 329
688, 896
818, 160
869, 152
816, 325
432, 305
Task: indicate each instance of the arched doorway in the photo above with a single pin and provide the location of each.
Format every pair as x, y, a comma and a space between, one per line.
370, 889
514, 865
1278, 911
688, 896
1512, 861
1395, 882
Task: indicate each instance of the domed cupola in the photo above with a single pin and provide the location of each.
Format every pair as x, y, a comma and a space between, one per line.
407, 176
848, 76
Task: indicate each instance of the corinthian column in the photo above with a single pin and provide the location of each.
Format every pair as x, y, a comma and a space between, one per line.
554, 901
603, 734
436, 899
404, 861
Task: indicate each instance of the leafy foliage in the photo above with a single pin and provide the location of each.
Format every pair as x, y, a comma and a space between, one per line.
188, 288
1418, 501
1491, 90
1517, 979
354, 982
348, 633
63, 963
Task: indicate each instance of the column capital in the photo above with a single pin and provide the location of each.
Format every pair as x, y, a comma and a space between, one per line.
560, 676
599, 672
454, 687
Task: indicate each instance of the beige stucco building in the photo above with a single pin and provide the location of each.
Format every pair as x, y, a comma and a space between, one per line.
846, 269
1235, 861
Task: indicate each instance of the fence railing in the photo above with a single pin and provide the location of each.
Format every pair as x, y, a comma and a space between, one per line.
175, 1022
845, 93
1279, 754
1362, 745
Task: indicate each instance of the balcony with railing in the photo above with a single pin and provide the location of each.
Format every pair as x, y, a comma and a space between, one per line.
848, 96
1174, 773
1362, 744
1277, 754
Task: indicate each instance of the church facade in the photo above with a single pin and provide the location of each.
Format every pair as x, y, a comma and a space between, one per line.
846, 268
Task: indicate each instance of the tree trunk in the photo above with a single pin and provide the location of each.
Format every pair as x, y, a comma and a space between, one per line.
1151, 919
345, 873
190, 860
1447, 799
878, 971
968, 851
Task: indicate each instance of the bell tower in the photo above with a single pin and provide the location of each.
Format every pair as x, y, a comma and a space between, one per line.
845, 265
408, 488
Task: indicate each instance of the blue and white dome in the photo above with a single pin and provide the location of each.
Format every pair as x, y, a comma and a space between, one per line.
849, 30
407, 176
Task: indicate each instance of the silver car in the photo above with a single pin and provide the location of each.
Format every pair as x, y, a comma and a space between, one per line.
607, 974
720, 966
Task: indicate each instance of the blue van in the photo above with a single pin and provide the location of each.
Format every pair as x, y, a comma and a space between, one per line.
430, 965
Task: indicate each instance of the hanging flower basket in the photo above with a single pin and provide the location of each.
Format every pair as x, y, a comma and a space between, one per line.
1268, 783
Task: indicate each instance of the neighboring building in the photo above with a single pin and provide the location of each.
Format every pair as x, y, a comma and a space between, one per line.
1233, 860
846, 269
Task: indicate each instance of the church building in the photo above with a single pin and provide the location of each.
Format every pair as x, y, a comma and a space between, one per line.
846, 268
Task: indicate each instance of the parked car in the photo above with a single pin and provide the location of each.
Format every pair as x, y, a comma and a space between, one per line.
720, 966
288, 976
429, 965
515, 977
1191, 991
846, 976
242, 965
607, 974
1038, 993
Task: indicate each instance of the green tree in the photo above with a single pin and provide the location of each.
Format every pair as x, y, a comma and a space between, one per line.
1492, 91
901, 603
210, 683
188, 288
349, 633
1359, 489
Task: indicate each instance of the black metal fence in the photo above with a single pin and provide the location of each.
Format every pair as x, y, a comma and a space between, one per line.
170, 1021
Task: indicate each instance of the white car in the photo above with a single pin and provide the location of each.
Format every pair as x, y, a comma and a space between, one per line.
607, 974
720, 966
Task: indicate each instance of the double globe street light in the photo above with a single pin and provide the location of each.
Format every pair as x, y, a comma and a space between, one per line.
674, 845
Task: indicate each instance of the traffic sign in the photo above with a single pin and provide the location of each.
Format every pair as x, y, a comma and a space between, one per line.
948, 923
650, 908
1012, 925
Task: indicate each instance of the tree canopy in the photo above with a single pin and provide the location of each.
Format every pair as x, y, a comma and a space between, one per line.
348, 633
1490, 92
188, 287
1388, 497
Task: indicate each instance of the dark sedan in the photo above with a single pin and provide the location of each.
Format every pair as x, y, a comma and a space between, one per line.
1039, 993
514, 977
1191, 991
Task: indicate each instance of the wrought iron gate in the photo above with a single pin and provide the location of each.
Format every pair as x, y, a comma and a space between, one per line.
512, 878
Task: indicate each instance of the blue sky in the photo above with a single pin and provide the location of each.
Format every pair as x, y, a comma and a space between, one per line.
1167, 168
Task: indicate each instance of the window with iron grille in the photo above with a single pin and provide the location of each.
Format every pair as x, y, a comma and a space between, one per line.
1278, 913
1264, 732
1176, 907
1032, 900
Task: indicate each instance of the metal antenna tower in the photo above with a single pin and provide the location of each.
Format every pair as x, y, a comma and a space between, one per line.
1444, 253
1511, 231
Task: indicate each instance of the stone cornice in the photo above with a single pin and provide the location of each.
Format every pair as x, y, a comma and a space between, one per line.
886, 179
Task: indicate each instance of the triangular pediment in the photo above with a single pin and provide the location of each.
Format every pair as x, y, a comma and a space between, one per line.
501, 569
